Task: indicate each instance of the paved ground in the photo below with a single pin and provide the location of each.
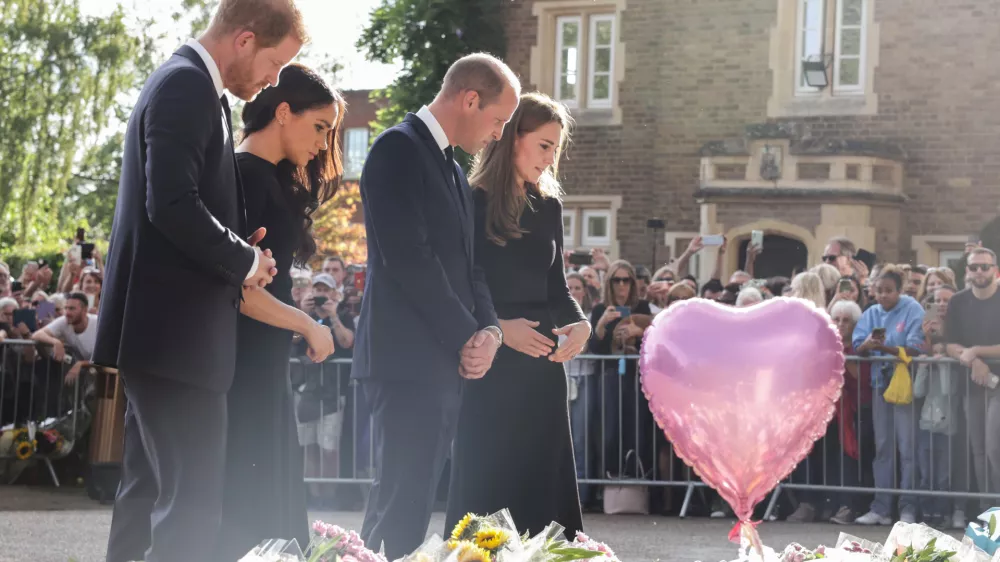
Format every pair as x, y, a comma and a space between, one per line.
46, 525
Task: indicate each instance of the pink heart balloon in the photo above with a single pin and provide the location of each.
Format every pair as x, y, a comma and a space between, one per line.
742, 394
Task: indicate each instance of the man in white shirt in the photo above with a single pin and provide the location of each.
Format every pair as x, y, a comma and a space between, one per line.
75, 332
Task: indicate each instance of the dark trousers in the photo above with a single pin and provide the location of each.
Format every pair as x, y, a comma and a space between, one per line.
169, 502
413, 428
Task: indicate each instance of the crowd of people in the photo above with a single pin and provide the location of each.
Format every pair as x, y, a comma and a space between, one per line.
936, 443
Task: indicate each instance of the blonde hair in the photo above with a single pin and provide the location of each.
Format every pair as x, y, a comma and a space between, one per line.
828, 274
946, 275
493, 170
809, 286
609, 287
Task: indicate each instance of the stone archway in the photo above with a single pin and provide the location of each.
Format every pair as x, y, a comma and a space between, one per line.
793, 248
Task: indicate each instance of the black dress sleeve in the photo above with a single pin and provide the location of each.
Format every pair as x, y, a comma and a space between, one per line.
255, 192
600, 346
565, 310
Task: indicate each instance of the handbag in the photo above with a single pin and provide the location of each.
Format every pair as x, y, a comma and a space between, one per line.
900, 389
627, 498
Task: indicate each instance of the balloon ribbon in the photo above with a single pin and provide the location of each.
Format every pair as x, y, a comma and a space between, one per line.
747, 530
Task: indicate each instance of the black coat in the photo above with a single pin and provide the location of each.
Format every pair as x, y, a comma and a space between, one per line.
177, 256
424, 296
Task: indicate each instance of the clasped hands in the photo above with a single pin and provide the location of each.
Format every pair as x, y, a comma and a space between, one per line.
980, 371
266, 269
521, 336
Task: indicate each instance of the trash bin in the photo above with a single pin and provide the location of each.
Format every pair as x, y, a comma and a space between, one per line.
107, 435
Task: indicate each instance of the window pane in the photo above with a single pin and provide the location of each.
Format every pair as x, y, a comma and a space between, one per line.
812, 28
597, 227
571, 34
567, 89
849, 74
601, 89
355, 151
850, 42
567, 223
602, 61
603, 33
851, 12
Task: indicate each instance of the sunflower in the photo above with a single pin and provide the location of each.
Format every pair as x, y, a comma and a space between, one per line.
24, 450
469, 552
491, 539
462, 526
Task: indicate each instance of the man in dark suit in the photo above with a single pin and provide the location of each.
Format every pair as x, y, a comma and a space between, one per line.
425, 300
176, 268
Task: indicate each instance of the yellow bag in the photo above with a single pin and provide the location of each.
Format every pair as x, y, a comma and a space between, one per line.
900, 389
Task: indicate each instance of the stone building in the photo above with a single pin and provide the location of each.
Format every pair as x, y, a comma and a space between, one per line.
874, 119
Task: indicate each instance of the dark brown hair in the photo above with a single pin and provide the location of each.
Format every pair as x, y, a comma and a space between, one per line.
269, 20
308, 187
493, 169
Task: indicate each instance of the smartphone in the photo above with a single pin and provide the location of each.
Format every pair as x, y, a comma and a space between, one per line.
865, 257
624, 311
87, 250
359, 280
933, 312
712, 240
16, 286
75, 254
319, 301
656, 224
28, 317
845, 286
757, 239
46, 310
878, 334
581, 258
90, 302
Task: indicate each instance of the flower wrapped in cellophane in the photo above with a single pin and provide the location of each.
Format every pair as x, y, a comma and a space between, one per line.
329, 543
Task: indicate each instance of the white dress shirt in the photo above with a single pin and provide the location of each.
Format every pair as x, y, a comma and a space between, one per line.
437, 132
213, 71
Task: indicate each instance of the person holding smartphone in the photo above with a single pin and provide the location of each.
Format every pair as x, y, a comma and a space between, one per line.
849, 289
894, 323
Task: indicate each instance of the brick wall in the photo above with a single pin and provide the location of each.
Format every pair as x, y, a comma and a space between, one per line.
698, 71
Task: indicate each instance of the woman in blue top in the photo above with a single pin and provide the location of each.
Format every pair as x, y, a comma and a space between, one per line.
900, 319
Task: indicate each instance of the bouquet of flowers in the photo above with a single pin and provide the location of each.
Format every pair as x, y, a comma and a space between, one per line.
329, 543
494, 538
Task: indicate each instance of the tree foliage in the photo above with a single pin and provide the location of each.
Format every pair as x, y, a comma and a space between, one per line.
427, 36
336, 230
63, 77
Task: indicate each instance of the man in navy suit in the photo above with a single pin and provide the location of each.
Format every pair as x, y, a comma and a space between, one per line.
425, 299
178, 262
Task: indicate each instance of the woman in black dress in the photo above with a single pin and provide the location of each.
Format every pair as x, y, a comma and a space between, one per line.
513, 448
289, 162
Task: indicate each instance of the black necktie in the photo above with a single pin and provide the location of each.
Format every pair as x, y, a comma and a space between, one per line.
229, 114
449, 155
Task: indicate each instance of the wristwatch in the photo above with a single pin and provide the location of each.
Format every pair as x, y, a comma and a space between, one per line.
497, 332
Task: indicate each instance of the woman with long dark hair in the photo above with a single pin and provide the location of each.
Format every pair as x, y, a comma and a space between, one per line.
513, 448
289, 163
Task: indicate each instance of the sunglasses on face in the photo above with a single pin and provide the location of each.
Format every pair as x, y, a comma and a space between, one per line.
830, 259
977, 267
665, 280
621, 280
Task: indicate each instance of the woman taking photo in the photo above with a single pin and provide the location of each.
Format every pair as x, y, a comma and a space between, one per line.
289, 162
513, 448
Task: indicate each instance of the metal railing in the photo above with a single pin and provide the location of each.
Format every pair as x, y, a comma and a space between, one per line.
937, 461
37, 400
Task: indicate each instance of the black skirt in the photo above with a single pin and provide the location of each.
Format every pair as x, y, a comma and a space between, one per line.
514, 448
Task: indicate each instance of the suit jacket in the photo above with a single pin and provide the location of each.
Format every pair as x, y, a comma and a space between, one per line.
177, 257
424, 294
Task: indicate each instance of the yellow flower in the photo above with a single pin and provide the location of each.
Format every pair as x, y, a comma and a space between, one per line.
453, 544
472, 553
491, 539
461, 527
24, 450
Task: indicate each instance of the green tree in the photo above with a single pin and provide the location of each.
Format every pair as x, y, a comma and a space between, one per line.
427, 36
62, 79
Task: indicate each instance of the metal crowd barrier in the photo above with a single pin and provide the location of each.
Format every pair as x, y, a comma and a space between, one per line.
617, 442
36, 401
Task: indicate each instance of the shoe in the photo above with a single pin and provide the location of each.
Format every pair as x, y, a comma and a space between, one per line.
907, 516
958, 519
805, 513
872, 518
844, 516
